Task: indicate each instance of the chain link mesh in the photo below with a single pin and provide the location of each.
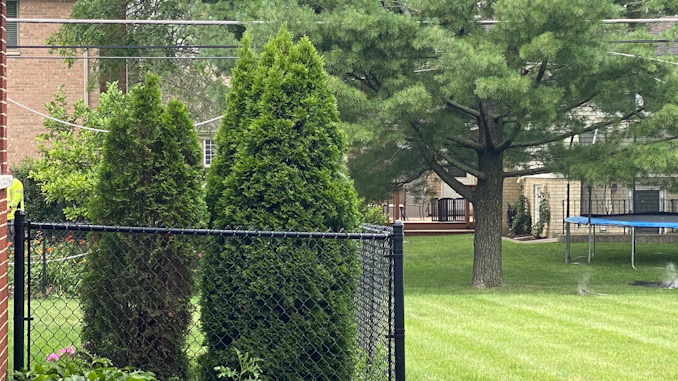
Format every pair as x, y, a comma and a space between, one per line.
157, 278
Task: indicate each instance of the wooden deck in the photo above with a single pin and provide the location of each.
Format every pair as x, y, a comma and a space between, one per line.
423, 227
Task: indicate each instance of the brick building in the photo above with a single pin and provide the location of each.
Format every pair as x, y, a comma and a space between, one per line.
32, 81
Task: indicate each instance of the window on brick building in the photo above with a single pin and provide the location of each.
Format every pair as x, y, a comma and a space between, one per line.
12, 27
208, 152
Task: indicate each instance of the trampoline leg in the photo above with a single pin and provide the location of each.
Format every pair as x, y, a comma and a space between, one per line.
567, 242
590, 244
593, 252
633, 247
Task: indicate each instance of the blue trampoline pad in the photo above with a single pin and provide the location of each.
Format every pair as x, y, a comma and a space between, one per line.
654, 220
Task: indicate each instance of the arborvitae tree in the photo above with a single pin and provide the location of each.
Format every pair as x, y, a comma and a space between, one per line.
235, 120
137, 288
289, 302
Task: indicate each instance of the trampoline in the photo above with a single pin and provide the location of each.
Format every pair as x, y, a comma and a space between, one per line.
632, 221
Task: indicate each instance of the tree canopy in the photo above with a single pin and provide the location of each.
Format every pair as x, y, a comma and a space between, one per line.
424, 85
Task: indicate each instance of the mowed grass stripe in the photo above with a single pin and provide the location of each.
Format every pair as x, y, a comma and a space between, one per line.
537, 327
518, 338
526, 344
598, 314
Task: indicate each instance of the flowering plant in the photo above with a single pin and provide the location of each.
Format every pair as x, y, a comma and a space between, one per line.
69, 364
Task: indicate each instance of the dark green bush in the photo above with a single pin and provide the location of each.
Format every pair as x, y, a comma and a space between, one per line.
137, 288
372, 214
37, 207
289, 303
522, 221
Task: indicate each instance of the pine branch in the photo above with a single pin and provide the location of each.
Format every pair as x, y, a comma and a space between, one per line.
566, 135
463, 109
526, 172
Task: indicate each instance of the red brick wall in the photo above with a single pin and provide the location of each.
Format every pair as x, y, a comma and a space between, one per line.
33, 82
4, 294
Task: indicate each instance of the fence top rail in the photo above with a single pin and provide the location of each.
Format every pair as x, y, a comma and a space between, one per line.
382, 235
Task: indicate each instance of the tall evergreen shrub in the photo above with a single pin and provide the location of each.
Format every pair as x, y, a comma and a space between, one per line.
239, 110
137, 288
288, 302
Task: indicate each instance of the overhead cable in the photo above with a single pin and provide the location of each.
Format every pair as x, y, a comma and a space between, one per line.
122, 46
89, 128
610, 21
647, 58
130, 22
235, 22
120, 58
55, 119
227, 46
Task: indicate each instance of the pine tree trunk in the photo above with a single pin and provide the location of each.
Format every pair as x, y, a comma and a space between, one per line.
487, 210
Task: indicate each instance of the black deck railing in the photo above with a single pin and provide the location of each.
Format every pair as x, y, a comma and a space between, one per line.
448, 209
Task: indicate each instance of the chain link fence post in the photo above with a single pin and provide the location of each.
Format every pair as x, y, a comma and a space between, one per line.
399, 299
19, 296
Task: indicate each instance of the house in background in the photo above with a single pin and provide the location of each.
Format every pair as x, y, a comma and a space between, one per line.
572, 198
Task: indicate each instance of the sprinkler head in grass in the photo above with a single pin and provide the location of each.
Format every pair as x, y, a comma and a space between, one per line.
583, 283
670, 277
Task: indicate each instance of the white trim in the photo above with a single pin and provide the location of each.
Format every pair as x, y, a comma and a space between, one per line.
204, 152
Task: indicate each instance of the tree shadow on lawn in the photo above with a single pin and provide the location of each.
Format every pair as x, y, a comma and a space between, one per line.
539, 268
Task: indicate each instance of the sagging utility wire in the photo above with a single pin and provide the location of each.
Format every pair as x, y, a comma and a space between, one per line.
90, 128
120, 58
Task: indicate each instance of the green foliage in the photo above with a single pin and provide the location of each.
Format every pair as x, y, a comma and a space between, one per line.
37, 207
72, 365
66, 169
544, 215
248, 368
423, 85
235, 121
286, 173
372, 214
59, 262
522, 222
136, 290
194, 82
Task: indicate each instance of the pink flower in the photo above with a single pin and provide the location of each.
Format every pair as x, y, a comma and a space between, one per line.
52, 357
70, 350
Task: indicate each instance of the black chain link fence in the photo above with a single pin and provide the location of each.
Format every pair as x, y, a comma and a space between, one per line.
298, 309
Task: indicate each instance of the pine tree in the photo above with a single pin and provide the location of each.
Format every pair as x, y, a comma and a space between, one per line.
286, 302
137, 288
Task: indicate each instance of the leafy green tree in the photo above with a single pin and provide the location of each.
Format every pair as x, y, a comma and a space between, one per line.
194, 82
425, 85
286, 173
137, 289
69, 157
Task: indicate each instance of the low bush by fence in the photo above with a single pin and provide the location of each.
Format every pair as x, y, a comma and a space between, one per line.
295, 319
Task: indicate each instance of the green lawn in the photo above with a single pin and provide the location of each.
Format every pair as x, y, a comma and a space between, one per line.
538, 326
